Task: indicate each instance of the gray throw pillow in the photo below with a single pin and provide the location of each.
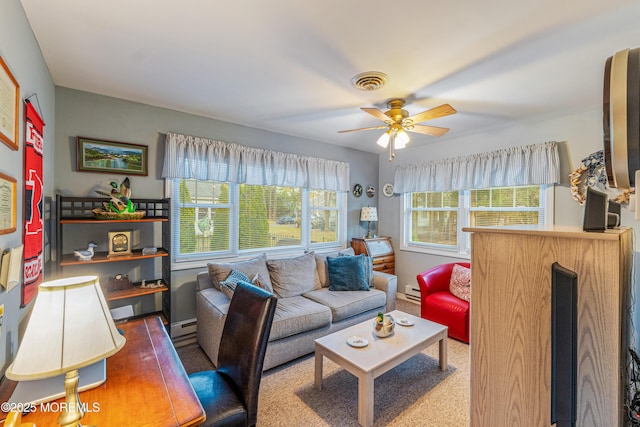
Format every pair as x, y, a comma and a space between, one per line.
347, 273
261, 283
218, 271
291, 277
228, 285
229, 288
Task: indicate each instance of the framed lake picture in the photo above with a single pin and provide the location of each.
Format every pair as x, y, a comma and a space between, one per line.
94, 155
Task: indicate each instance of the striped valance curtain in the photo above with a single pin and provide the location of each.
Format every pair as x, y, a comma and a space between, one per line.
535, 164
206, 159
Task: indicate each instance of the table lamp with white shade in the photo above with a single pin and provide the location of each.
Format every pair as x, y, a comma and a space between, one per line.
70, 327
369, 214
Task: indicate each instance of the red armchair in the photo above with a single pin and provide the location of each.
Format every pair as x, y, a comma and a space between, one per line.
441, 306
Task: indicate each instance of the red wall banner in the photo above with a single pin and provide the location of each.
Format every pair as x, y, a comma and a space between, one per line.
33, 203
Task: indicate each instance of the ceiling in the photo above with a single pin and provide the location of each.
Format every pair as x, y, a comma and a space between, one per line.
285, 66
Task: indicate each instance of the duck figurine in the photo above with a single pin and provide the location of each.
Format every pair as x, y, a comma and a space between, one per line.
120, 197
85, 255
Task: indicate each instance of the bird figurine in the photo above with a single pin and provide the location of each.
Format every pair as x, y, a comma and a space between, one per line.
120, 197
85, 255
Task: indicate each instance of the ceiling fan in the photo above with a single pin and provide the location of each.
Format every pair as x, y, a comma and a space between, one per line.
398, 123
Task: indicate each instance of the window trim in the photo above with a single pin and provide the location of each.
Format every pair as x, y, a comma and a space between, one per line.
463, 249
234, 254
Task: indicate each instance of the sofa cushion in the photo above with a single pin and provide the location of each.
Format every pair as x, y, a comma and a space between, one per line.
293, 276
322, 267
218, 271
460, 282
298, 314
347, 273
347, 304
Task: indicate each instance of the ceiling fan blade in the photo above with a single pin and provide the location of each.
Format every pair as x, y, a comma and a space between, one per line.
434, 113
377, 114
359, 129
429, 130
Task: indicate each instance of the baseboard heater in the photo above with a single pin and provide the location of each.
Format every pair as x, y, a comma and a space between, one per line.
412, 292
183, 328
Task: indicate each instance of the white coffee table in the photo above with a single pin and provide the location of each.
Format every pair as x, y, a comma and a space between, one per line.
380, 355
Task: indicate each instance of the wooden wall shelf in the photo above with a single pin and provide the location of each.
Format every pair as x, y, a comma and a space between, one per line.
136, 291
109, 221
99, 257
75, 219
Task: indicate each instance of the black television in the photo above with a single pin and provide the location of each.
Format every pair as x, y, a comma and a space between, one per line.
595, 211
564, 344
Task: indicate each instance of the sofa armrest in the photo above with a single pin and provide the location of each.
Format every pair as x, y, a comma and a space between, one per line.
389, 284
203, 281
211, 311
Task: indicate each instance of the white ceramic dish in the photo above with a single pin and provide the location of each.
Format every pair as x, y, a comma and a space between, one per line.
404, 322
357, 342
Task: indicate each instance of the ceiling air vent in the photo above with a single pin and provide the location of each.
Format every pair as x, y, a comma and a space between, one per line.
369, 80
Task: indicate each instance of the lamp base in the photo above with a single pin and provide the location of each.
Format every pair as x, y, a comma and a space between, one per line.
368, 236
73, 410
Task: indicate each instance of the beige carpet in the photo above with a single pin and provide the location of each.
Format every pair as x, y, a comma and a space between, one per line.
416, 393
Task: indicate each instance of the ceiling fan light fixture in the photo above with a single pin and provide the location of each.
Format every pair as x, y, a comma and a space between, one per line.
402, 139
398, 122
383, 141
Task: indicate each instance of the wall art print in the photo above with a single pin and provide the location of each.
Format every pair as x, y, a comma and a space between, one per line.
93, 155
9, 107
33, 203
8, 203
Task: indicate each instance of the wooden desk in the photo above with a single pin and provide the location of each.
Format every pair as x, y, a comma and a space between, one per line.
380, 249
146, 385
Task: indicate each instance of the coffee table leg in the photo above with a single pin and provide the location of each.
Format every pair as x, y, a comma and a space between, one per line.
442, 347
365, 400
318, 369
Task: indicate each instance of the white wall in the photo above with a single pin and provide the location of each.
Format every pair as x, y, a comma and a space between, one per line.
19, 50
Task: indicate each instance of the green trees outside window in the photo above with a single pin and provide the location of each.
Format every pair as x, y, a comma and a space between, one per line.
216, 217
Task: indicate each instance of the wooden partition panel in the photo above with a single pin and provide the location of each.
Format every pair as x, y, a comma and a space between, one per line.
511, 323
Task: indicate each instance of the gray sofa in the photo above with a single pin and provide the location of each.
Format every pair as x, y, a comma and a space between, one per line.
306, 308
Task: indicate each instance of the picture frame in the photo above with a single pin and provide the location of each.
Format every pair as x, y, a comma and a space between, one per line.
119, 243
371, 191
9, 107
357, 190
8, 204
95, 155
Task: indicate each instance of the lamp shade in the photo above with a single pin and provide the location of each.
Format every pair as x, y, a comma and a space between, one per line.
383, 141
369, 214
402, 139
70, 327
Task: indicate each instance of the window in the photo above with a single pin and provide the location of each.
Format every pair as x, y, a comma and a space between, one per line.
433, 221
224, 219
505, 206
434, 218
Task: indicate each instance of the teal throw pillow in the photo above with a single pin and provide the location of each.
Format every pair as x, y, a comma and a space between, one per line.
347, 273
368, 267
